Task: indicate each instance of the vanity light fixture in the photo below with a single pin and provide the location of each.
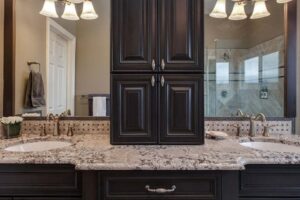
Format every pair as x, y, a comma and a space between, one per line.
238, 12
70, 12
88, 11
49, 9
260, 10
219, 10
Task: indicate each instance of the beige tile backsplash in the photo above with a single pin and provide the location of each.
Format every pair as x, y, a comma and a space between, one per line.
103, 127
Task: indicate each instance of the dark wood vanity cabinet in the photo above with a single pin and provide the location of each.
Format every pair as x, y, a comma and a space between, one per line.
151, 109
157, 35
134, 34
173, 185
181, 36
134, 110
181, 109
157, 65
40, 182
260, 182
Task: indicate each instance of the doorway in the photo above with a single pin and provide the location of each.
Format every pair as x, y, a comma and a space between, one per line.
61, 52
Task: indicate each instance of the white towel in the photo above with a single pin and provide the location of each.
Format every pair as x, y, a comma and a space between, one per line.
99, 106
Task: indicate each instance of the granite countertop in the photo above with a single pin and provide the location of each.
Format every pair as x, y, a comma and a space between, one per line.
93, 152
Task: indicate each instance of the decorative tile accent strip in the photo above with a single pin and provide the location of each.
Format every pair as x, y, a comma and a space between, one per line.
280, 127
79, 127
103, 127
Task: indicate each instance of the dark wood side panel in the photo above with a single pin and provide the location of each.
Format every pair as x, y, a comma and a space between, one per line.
181, 43
270, 181
181, 109
90, 187
39, 180
134, 34
291, 59
134, 119
189, 185
8, 67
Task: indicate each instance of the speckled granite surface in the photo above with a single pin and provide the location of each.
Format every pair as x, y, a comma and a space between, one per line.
93, 152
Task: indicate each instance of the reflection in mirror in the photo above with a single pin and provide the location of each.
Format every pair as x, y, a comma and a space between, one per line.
73, 58
244, 66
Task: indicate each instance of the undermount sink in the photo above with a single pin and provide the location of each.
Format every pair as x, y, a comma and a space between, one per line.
38, 146
270, 146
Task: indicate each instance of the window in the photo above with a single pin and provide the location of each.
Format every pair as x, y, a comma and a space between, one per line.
251, 70
270, 67
222, 73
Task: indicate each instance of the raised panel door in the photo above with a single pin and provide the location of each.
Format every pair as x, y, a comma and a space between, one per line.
134, 109
181, 35
181, 109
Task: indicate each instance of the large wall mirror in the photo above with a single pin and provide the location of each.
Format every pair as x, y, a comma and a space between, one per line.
249, 64
73, 58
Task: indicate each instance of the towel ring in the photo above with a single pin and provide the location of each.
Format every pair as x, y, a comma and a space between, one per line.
34, 63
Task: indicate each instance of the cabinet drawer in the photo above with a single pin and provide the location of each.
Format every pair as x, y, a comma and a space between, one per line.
270, 181
134, 185
39, 180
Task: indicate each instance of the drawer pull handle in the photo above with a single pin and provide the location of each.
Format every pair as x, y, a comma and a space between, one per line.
160, 190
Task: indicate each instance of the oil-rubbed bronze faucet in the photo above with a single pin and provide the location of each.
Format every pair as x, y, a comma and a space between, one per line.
55, 119
259, 117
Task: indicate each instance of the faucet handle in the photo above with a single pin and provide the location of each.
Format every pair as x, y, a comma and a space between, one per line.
70, 131
266, 130
238, 127
43, 130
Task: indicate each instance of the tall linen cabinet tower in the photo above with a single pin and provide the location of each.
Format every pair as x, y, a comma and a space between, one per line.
157, 72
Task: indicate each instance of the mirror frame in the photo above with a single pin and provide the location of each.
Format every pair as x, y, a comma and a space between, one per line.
290, 32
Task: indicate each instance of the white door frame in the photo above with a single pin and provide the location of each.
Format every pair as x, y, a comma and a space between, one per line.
71, 39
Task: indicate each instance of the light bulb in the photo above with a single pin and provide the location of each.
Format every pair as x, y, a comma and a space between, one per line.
49, 9
260, 10
219, 10
283, 1
70, 12
88, 11
238, 12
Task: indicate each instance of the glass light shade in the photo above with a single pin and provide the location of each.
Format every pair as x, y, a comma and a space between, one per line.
260, 10
238, 12
76, 1
70, 12
219, 10
88, 11
283, 1
49, 9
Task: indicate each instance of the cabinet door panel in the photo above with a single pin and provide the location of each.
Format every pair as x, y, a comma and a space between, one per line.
134, 109
134, 34
270, 181
181, 109
181, 44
